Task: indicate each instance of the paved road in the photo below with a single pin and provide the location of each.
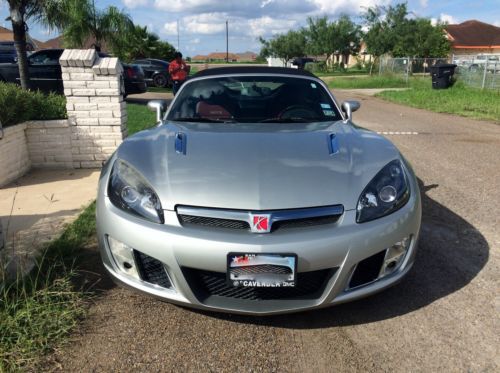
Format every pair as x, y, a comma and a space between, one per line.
444, 316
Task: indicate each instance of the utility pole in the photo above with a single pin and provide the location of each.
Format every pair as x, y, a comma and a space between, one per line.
178, 45
227, 42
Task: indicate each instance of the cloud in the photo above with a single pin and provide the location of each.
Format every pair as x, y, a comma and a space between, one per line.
423, 3
268, 25
265, 2
206, 24
444, 18
170, 28
345, 6
241, 8
195, 41
135, 3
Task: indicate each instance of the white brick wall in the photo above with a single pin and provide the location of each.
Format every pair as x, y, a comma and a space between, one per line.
13, 154
49, 143
96, 124
93, 90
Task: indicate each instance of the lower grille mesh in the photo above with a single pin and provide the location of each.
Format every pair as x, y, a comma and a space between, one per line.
213, 222
204, 284
262, 268
152, 270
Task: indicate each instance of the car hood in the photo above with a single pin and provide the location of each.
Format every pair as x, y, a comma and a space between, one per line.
258, 166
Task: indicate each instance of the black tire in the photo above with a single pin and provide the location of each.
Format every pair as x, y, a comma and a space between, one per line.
160, 81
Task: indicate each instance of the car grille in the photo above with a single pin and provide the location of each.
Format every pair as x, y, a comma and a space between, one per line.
309, 285
304, 223
213, 222
262, 268
367, 270
288, 219
152, 270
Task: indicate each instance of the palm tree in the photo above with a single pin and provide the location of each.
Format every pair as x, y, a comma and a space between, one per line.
19, 12
80, 20
139, 42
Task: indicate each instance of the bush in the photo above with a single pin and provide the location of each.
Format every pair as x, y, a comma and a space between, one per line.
18, 105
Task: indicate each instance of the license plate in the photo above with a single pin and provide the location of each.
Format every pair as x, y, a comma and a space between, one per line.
261, 270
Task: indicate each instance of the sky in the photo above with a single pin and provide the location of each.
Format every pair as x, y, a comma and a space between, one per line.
202, 22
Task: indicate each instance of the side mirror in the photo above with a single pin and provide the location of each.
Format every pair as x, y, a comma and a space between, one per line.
349, 107
159, 106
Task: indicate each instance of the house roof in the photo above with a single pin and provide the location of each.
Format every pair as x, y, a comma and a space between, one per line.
7, 35
54, 43
474, 34
222, 56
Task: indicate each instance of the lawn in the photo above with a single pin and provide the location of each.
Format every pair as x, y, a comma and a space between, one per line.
356, 82
38, 312
459, 99
139, 118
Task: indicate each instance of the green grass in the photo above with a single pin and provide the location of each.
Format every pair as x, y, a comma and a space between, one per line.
38, 311
139, 118
345, 82
161, 90
459, 99
345, 73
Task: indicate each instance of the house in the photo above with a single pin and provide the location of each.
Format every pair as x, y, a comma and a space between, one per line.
7, 36
246, 56
220, 57
199, 58
473, 37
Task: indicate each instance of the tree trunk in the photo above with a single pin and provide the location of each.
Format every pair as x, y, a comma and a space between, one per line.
19, 30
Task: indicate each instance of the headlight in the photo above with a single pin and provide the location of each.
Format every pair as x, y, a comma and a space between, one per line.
387, 192
129, 191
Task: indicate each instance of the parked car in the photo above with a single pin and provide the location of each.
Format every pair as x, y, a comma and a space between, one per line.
8, 52
492, 63
133, 79
155, 72
256, 194
46, 76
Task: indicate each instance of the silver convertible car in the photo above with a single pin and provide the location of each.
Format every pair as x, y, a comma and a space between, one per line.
256, 194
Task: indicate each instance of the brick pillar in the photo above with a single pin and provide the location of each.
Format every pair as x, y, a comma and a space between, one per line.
93, 88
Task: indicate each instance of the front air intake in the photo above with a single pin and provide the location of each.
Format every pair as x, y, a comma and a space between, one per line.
152, 270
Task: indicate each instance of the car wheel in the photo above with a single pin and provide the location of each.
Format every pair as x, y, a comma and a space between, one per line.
160, 81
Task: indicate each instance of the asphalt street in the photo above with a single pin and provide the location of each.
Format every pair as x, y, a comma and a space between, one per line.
443, 317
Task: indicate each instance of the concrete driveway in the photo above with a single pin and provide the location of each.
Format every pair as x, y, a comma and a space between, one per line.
443, 317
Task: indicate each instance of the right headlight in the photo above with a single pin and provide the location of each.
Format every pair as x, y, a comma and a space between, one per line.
130, 192
387, 192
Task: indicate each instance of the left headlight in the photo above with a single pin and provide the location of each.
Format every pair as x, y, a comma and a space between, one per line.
128, 191
387, 192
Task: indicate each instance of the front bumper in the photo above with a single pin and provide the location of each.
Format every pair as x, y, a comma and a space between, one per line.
338, 246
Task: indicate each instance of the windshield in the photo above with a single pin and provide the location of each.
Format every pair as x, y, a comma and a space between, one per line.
250, 99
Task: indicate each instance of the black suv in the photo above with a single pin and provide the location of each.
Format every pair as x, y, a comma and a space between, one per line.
46, 76
155, 71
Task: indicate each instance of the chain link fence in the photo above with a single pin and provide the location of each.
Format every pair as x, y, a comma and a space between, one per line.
479, 71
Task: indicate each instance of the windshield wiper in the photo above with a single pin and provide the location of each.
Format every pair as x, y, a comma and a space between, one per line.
203, 119
290, 120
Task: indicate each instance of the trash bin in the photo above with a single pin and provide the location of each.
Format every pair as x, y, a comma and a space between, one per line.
442, 75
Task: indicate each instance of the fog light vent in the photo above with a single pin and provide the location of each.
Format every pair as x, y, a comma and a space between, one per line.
394, 257
123, 256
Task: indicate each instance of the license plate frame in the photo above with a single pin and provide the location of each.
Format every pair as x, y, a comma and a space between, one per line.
261, 279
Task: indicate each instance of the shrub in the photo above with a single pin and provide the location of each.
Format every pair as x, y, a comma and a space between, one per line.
18, 105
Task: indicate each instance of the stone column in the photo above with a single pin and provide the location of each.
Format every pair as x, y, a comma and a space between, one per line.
94, 89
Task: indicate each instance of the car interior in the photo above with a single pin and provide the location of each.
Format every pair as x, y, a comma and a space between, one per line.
254, 100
